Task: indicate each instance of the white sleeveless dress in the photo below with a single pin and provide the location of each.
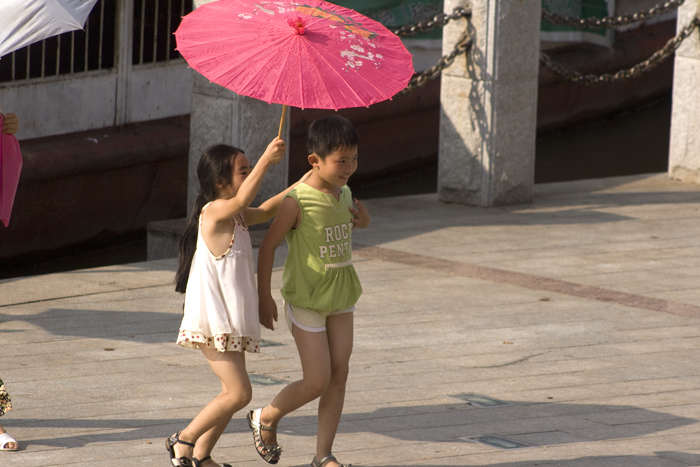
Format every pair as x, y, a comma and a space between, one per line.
221, 301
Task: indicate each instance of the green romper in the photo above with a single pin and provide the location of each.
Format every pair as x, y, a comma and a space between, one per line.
318, 273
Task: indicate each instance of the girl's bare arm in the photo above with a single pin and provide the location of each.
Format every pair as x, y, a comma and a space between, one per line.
225, 209
268, 209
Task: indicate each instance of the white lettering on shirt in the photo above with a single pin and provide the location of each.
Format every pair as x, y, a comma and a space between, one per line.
334, 238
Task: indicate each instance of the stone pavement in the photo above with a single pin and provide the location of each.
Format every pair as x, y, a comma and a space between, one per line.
561, 333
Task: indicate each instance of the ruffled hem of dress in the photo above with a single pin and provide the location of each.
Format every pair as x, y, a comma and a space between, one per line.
220, 342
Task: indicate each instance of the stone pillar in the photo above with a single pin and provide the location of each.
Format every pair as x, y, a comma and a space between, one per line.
221, 116
489, 105
684, 150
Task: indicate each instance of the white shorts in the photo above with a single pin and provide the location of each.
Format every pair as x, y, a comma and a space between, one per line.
309, 320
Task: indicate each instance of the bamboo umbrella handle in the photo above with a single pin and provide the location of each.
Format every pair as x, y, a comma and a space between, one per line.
284, 114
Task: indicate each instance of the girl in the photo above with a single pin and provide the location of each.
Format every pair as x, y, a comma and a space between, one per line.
216, 273
320, 287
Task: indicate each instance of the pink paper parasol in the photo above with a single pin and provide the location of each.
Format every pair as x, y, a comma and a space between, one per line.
302, 53
10, 168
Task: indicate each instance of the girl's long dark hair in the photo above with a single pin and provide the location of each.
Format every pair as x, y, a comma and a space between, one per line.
214, 173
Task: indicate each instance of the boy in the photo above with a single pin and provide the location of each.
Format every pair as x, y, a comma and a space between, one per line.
320, 286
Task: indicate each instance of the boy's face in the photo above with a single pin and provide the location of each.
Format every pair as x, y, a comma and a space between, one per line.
337, 167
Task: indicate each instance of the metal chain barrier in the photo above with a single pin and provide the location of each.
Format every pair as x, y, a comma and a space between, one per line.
463, 45
612, 21
439, 20
656, 59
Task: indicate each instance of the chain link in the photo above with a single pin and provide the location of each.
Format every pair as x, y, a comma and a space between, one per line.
612, 21
656, 59
439, 20
463, 45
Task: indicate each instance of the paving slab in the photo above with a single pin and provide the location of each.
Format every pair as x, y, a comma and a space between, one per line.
579, 311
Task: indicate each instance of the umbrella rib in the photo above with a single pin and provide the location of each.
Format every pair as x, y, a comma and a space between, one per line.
383, 93
381, 71
328, 90
259, 76
301, 77
360, 76
279, 77
217, 60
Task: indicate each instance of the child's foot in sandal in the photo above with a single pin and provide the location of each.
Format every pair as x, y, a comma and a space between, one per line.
269, 453
8, 443
322, 463
175, 460
207, 462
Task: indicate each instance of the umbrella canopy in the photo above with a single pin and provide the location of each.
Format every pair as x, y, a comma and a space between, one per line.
23, 22
302, 53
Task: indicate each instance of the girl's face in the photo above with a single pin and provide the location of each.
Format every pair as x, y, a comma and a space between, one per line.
241, 169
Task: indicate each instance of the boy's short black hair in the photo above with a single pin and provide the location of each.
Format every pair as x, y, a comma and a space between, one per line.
329, 134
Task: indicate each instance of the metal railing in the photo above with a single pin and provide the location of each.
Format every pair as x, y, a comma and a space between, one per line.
71, 52
155, 21
94, 48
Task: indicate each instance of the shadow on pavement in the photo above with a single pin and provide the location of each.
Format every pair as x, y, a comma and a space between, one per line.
133, 326
550, 423
660, 459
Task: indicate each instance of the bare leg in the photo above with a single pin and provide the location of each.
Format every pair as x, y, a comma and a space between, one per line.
316, 373
325, 358
206, 442
210, 423
330, 408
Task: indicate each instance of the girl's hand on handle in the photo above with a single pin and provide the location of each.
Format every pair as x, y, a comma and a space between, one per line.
360, 215
268, 312
275, 151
